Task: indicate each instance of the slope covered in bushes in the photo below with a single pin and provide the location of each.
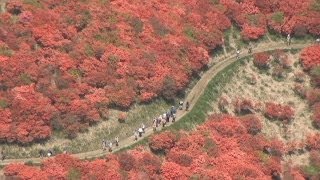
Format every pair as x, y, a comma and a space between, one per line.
78, 58
222, 148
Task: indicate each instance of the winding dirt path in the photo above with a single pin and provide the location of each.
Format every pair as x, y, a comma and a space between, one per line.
192, 97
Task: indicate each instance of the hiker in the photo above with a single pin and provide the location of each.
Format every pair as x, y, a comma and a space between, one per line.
187, 106
250, 50
172, 109
318, 41
275, 175
168, 117
267, 150
41, 153
154, 127
159, 120
117, 141
143, 127
180, 105
104, 145
168, 114
135, 135
173, 117
2, 155
288, 39
238, 53
140, 131
110, 146
163, 122
50, 153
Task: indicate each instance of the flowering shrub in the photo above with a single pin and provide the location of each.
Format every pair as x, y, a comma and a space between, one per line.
261, 60
252, 124
244, 106
313, 141
310, 57
163, 142
279, 112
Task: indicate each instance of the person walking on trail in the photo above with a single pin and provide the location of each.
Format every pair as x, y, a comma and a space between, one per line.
110, 146
135, 135
117, 141
2, 155
288, 39
50, 153
187, 106
172, 109
238, 53
164, 122
154, 127
174, 117
167, 117
318, 41
159, 120
180, 105
250, 50
140, 131
104, 145
143, 128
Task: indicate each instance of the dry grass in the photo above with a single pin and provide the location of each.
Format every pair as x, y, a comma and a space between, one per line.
267, 89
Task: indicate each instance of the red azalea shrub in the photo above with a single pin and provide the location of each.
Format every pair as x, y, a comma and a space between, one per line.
252, 123
279, 112
243, 106
83, 59
122, 117
315, 158
310, 57
300, 90
252, 33
316, 115
192, 156
313, 142
223, 104
300, 77
127, 161
79, 56
261, 60
315, 76
181, 159
313, 96
163, 142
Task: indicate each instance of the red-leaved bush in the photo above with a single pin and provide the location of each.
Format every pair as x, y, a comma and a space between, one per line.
313, 142
223, 142
310, 57
163, 142
261, 60
252, 123
279, 111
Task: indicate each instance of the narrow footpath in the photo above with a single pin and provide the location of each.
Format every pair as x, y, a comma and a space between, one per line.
193, 96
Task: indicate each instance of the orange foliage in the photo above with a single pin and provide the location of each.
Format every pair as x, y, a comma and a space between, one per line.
310, 57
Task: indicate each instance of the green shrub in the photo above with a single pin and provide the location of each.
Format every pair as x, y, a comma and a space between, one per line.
3, 103
278, 17
4, 51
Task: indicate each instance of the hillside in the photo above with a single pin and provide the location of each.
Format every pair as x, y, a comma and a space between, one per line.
67, 62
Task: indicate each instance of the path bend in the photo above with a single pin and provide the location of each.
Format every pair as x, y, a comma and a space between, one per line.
192, 97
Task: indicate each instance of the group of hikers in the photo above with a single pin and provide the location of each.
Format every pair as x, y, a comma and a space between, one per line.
108, 144
289, 40
161, 120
